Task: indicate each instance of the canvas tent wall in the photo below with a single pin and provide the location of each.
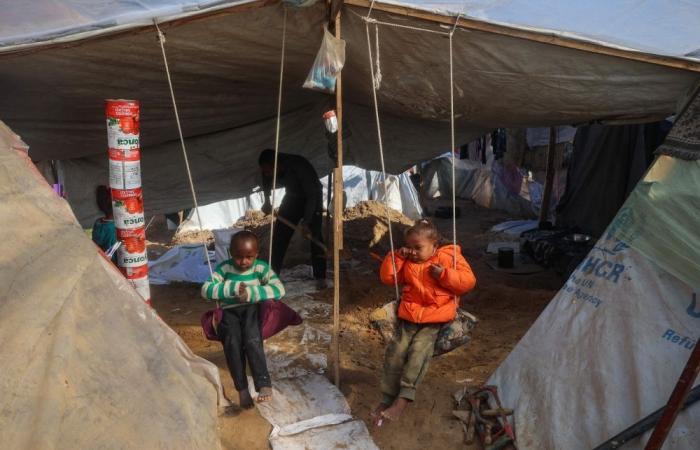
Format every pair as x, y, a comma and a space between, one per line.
608, 350
85, 362
224, 59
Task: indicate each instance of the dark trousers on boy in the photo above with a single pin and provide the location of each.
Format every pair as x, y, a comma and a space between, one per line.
292, 209
407, 359
239, 331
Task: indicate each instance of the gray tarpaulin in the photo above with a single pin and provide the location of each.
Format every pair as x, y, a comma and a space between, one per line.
225, 70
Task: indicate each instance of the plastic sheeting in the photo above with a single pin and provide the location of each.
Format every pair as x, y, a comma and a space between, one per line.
650, 26
666, 206
485, 184
358, 184
225, 78
180, 263
85, 362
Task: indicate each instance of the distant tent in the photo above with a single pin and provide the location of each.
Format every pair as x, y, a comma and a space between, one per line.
608, 350
85, 363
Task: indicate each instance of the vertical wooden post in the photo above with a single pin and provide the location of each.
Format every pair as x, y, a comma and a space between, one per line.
675, 402
549, 179
337, 208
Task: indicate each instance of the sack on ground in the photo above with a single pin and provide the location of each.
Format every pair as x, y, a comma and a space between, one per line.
327, 65
451, 336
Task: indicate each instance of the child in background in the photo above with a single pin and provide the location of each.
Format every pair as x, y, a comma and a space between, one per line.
104, 234
240, 283
429, 299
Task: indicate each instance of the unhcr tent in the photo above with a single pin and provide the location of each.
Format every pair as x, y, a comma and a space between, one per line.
517, 64
85, 363
608, 350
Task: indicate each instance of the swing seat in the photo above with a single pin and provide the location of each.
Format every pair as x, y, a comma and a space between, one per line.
274, 317
451, 336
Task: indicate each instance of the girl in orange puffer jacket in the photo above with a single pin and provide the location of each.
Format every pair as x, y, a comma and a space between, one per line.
433, 279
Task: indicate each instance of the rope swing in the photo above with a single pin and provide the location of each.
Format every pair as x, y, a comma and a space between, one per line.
376, 80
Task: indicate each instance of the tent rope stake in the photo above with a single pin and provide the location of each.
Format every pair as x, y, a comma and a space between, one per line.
161, 41
277, 136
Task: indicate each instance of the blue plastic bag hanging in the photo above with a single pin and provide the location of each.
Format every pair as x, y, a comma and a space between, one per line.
327, 65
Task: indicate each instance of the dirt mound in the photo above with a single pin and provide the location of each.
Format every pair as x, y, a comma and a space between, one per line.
253, 219
194, 237
366, 226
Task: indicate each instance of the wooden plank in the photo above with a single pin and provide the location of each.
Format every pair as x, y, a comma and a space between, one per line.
549, 178
531, 35
337, 219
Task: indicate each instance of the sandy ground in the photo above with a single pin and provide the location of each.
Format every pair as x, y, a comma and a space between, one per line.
506, 306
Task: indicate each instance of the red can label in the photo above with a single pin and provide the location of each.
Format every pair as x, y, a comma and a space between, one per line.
123, 124
127, 205
135, 272
125, 154
121, 108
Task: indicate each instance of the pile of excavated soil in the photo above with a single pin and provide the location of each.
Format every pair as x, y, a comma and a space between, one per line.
366, 227
194, 237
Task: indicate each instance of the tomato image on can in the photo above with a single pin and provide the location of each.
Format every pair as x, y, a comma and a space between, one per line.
124, 147
123, 124
127, 205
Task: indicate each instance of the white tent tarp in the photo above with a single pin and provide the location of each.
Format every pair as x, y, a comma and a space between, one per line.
85, 362
358, 185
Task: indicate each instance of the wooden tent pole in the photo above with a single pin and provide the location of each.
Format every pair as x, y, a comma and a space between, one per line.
549, 178
675, 402
335, 7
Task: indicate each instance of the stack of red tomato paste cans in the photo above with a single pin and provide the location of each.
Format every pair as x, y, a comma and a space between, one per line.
127, 196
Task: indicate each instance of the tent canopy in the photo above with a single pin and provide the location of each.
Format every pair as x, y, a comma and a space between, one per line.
60, 60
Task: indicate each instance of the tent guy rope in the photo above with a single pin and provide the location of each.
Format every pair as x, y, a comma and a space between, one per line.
161, 41
277, 136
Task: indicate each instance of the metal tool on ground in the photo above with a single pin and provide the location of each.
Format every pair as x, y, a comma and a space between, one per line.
305, 234
481, 412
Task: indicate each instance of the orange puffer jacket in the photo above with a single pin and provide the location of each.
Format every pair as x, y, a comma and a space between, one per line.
423, 298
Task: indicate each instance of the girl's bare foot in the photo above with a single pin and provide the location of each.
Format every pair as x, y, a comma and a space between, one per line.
244, 399
377, 414
394, 411
265, 394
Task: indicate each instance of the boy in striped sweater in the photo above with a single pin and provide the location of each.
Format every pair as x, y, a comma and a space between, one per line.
240, 283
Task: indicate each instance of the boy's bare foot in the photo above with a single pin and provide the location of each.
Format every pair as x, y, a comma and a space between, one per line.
394, 411
244, 399
377, 414
265, 395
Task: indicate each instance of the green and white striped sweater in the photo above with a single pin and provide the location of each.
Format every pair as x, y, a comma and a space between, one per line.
261, 282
